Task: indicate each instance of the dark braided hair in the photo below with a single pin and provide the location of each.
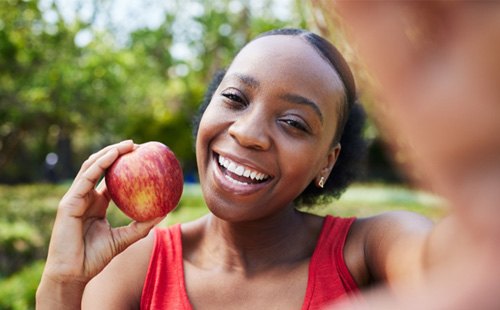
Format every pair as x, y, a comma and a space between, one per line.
349, 128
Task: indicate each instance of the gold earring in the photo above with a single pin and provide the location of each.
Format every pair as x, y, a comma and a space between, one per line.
321, 182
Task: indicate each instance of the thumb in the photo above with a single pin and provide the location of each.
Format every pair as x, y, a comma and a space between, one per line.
127, 235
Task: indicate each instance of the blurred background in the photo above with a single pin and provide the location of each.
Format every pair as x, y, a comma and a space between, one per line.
77, 75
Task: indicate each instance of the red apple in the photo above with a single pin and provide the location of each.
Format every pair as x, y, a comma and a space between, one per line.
146, 183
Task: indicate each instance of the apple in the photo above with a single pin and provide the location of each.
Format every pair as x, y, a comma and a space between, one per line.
146, 183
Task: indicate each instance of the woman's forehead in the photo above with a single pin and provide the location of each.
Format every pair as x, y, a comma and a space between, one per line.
288, 59
293, 51
281, 66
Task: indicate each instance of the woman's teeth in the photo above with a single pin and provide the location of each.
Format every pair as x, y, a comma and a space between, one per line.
241, 170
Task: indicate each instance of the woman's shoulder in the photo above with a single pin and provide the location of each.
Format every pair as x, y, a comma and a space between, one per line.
191, 234
374, 241
392, 222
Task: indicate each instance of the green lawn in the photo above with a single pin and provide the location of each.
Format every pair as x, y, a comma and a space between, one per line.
359, 200
27, 213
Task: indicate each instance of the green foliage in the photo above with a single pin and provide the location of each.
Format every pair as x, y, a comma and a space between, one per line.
72, 99
27, 214
50, 89
18, 291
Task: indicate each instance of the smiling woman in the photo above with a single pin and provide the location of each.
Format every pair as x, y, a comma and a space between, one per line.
350, 124
279, 128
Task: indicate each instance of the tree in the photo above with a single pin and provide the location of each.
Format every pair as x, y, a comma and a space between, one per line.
60, 95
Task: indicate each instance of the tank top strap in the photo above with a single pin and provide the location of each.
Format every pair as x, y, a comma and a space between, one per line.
164, 286
329, 278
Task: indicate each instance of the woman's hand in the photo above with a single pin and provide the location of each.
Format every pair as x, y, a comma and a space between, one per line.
82, 241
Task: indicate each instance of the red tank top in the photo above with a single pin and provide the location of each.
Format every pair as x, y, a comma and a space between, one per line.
328, 278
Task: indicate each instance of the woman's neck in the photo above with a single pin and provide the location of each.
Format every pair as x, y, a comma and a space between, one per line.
254, 245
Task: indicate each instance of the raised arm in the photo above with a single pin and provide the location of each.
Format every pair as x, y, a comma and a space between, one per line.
82, 241
437, 72
403, 247
395, 246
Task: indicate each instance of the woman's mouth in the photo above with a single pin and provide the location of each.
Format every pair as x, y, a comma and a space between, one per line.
240, 174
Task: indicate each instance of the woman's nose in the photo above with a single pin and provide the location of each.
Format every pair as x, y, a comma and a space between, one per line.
250, 130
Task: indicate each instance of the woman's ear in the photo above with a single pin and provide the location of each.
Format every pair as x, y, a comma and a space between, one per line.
330, 161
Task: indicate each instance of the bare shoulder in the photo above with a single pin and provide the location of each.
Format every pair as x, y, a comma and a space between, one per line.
119, 285
192, 234
397, 222
386, 246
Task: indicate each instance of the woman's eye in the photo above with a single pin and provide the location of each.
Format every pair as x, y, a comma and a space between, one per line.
296, 124
232, 97
234, 100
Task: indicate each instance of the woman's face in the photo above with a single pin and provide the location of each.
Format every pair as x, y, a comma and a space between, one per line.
268, 130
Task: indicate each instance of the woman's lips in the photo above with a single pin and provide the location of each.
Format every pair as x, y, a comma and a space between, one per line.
241, 173
238, 178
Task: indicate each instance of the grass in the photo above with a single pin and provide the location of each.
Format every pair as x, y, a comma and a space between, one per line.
359, 200
18, 291
27, 214
370, 199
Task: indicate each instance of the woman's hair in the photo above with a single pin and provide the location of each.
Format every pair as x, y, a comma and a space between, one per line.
349, 128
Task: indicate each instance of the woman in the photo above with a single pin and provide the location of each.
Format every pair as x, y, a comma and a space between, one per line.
269, 138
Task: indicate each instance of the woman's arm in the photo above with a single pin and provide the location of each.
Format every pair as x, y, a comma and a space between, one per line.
119, 286
403, 247
396, 246
438, 93
82, 241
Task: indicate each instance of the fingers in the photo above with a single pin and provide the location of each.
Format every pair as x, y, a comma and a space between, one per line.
102, 190
77, 199
122, 147
91, 176
125, 236
99, 206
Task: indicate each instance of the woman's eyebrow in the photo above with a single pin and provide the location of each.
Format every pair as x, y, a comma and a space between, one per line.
298, 99
247, 79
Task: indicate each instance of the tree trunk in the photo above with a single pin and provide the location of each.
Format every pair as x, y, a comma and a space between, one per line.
65, 152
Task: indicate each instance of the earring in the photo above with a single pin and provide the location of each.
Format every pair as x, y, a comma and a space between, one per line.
321, 182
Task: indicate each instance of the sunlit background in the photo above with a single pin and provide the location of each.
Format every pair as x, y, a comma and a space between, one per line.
77, 75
